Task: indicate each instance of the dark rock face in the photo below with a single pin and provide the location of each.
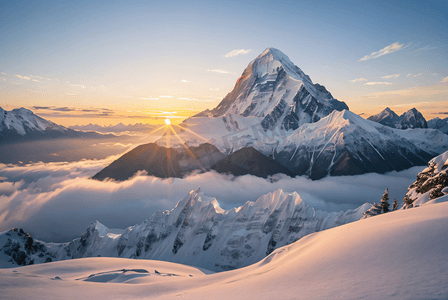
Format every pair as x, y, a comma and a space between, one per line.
250, 161
161, 162
22, 249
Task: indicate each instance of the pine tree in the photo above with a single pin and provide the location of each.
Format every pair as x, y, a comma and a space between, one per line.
395, 206
408, 201
384, 203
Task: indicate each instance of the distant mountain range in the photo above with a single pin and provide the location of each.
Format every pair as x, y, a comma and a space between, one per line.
113, 128
22, 124
410, 119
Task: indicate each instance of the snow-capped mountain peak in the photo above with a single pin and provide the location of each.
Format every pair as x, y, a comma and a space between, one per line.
273, 88
410, 119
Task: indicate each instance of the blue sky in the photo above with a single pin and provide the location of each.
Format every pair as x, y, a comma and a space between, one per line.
124, 55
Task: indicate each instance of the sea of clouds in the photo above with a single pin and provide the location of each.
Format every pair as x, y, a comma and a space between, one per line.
57, 201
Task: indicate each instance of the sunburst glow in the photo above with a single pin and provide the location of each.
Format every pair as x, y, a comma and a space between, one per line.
167, 121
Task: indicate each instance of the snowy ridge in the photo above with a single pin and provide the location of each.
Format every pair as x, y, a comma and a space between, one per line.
343, 143
198, 232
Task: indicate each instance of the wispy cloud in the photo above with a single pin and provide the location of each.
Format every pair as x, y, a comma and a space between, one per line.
444, 80
78, 85
391, 76
220, 71
426, 48
23, 77
4, 73
144, 98
184, 80
166, 96
237, 52
359, 80
419, 74
378, 83
386, 50
3, 79
408, 75
63, 109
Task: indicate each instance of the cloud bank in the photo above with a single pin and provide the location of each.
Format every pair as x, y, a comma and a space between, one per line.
57, 201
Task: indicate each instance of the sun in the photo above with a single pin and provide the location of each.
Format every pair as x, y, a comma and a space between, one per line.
167, 121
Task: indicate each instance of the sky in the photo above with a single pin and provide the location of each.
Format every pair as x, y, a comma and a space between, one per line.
107, 62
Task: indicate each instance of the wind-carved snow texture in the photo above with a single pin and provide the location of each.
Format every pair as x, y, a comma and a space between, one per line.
410, 119
196, 232
431, 184
276, 90
346, 144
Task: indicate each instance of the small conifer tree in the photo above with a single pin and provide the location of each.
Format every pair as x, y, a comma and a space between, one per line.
408, 201
395, 206
384, 201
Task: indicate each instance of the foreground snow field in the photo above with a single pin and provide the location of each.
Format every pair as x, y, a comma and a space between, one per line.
398, 255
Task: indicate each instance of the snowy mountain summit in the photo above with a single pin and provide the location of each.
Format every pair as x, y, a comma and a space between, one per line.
22, 121
273, 88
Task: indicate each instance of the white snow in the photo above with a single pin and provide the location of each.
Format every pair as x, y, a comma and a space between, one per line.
398, 255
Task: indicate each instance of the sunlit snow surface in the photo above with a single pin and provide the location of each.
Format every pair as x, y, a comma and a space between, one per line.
399, 255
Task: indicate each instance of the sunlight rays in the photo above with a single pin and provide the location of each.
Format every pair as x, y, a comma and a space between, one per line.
187, 148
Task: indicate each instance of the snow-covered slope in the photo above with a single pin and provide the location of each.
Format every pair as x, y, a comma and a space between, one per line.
196, 232
431, 184
273, 88
399, 255
346, 144
410, 119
